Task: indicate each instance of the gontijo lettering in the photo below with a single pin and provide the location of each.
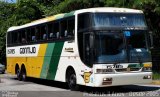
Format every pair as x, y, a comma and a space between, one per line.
28, 50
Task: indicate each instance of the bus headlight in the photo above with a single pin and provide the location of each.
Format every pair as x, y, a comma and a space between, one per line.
147, 77
104, 71
107, 81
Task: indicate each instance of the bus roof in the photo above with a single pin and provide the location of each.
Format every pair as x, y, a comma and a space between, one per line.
59, 16
43, 20
109, 9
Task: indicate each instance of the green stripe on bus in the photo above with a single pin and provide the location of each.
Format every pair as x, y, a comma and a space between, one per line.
47, 59
55, 60
69, 14
135, 65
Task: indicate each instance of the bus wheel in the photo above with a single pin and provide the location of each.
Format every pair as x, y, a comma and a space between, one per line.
72, 81
18, 74
24, 77
23, 73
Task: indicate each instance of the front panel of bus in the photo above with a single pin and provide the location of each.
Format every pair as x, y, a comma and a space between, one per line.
116, 47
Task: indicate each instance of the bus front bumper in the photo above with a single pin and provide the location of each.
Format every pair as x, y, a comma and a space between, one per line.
103, 80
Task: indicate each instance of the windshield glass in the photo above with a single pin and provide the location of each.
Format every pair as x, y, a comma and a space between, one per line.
137, 46
136, 39
121, 46
109, 47
117, 19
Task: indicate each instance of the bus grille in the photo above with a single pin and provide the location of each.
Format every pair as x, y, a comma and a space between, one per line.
127, 69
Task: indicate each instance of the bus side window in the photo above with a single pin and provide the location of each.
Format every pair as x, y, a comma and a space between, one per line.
43, 32
37, 33
65, 33
28, 34
56, 33
18, 37
44, 36
9, 38
33, 37
63, 28
15, 36
50, 31
71, 25
51, 35
23, 34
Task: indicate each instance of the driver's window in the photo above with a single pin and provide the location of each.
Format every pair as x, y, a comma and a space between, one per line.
86, 47
109, 44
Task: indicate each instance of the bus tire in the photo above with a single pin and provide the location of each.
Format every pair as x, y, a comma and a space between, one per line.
24, 77
72, 81
18, 74
23, 74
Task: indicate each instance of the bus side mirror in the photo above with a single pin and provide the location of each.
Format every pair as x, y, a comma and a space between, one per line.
151, 40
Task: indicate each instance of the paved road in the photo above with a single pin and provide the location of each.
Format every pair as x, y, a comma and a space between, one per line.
11, 87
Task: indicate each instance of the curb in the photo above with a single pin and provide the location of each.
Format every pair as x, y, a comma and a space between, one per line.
156, 82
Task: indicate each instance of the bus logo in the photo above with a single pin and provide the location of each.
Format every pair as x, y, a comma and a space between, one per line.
86, 77
27, 50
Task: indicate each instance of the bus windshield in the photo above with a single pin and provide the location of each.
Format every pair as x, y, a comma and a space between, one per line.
111, 44
137, 46
116, 47
117, 19
109, 47
137, 39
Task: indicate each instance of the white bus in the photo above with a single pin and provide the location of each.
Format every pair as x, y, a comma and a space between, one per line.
97, 47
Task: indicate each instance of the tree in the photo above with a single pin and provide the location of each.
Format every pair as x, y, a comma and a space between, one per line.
6, 11
12, 14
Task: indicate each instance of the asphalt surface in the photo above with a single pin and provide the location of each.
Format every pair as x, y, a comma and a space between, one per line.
11, 87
